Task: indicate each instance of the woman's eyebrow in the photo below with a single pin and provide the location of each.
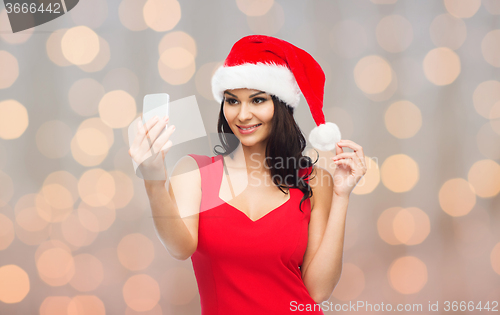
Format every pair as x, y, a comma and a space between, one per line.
249, 96
257, 93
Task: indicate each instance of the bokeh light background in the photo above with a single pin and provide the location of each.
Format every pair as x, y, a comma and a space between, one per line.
416, 83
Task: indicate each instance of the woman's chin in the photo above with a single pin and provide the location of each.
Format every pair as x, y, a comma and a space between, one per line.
252, 142
248, 143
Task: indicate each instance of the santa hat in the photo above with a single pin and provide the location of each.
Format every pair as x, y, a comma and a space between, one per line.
281, 69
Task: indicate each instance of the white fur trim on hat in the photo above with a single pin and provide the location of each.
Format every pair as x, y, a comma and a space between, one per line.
271, 78
325, 136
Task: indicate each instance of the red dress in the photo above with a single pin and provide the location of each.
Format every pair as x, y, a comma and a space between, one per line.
249, 267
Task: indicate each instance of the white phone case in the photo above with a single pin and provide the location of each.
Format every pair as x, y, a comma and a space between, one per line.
155, 105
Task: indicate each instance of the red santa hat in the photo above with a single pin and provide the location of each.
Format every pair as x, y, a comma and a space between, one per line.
279, 68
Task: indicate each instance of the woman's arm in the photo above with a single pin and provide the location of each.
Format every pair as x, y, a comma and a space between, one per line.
322, 263
176, 211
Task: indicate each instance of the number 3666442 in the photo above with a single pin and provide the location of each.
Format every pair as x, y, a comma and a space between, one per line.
471, 306
33, 8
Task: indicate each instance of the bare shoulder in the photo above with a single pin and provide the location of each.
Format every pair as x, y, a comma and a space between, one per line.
185, 181
188, 166
321, 183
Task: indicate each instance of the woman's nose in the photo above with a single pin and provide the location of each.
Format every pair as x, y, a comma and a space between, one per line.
245, 112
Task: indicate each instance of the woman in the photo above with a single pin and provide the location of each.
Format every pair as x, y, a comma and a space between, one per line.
263, 226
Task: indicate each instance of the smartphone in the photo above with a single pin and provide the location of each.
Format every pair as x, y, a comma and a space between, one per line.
155, 105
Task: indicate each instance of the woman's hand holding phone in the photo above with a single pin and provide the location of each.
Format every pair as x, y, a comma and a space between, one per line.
150, 147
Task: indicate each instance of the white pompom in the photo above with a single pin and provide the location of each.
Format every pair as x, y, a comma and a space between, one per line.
325, 136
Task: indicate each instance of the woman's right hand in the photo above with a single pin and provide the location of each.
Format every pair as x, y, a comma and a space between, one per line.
149, 148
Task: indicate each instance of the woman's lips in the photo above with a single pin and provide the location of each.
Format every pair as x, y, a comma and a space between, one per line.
245, 132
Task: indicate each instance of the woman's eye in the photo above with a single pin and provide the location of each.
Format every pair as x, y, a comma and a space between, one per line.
233, 101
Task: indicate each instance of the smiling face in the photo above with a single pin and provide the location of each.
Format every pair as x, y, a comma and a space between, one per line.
245, 108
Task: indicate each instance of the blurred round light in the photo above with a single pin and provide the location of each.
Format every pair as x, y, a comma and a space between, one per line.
457, 197
135, 251
411, 226
484, 176
385, 225
370, 181
131, 16
372, 74
176, 76
495, 258
422, 226
96, 219
403, 119
141, 292
74, 232
86, 304
485, 96
125, 190
495, 117
176, 58
54, 305
177, 39
89, 273
7, 228
441, 66
462, 8
101, 60
162, 15
43, 206
27, 217
408, 275
14, 284
54, 49
490, 47
13, 119
400, 173
117, 109
403, 225
203, 77
254, 8
80, 45
55, 266
10, 69
96, 187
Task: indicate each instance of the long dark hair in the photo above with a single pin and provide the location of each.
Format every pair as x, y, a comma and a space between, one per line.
285, 142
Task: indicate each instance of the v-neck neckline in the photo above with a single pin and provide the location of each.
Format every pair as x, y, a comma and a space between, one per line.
243, 213
265, 215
